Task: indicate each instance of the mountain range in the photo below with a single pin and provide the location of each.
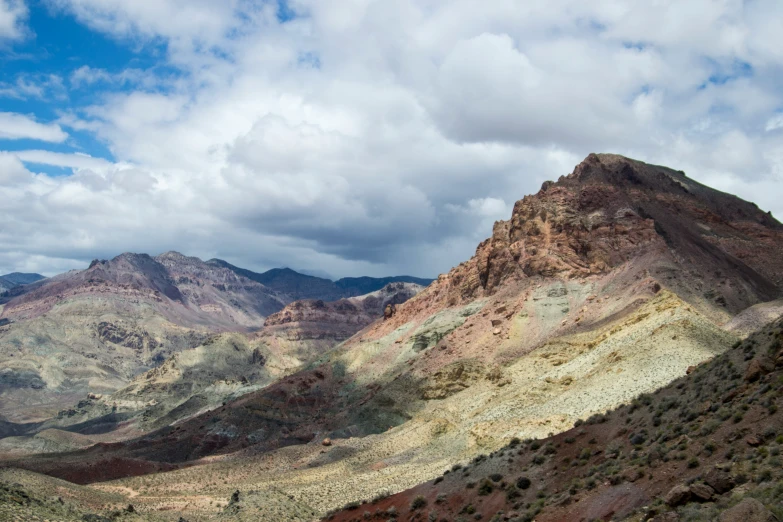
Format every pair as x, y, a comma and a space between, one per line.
611, 351
94, 330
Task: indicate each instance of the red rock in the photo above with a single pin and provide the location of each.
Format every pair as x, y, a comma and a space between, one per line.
690, 370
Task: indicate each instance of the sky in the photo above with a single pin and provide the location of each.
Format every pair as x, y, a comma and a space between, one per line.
359, 137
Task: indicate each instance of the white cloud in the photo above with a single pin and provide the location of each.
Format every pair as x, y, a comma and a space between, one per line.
34, 86
381, 137
59, 159
774, 123
19, 126
13, 13
86, 76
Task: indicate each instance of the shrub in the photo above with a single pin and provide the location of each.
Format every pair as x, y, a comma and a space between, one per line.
486, 487
523, 482
418, 503
693, 463
380, 496
596, 419
496, 477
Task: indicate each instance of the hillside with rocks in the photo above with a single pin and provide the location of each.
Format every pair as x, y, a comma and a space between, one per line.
706, 447
602, 288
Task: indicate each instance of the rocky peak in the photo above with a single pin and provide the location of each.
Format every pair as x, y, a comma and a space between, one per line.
612, 209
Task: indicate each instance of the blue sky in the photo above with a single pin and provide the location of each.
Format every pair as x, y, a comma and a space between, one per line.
358, 136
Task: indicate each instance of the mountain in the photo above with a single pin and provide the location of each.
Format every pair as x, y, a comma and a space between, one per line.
196, 380
365, 285
93, 330
301, 286
22, 279
602, 288
16, 279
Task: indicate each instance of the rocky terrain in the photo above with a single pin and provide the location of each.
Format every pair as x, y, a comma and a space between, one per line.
602, 288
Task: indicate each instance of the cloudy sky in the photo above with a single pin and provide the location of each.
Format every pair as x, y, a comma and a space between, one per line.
359, 136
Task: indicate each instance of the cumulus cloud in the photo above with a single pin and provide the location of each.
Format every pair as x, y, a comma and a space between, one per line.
19, 126
387, 137
13, 14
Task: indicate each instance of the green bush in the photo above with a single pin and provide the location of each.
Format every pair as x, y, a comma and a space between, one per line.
418, 503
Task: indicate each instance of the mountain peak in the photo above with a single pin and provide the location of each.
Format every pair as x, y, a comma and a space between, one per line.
611, 210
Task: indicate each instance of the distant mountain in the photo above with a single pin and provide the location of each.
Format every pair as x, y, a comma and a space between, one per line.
20, 278
301, 286
93, 330
365, 285
15, 279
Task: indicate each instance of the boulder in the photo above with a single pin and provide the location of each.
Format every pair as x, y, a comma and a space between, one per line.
701, 492
719, 480
749, 510
759, 366
326, 442
678, 495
